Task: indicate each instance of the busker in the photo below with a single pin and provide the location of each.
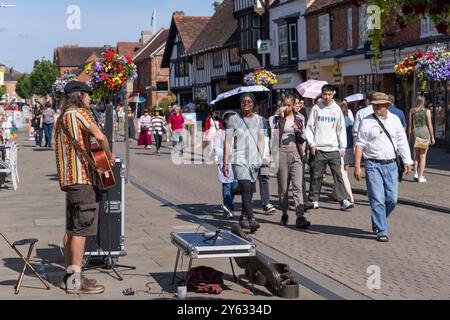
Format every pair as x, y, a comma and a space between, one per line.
381, 138
76, 178
291, 137
327, 138
247, 130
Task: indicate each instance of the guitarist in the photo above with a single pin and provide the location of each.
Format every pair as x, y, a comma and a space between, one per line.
77, 178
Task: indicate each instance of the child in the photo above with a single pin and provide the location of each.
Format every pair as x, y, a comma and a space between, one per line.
7, 126
229, 185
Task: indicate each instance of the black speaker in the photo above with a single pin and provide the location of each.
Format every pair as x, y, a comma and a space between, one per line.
110, 237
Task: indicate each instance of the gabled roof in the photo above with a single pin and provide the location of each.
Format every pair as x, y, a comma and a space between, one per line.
12, 75
218, 30
157, 40
319, 5
188, 27
74, 56
128, 49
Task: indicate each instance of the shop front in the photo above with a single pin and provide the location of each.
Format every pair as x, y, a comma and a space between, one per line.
325, 70
287, 84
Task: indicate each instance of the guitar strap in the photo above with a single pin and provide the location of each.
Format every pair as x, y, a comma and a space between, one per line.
80, 150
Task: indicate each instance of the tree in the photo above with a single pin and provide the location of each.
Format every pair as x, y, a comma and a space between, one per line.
24, 88
216, 4
43, 76
2, 91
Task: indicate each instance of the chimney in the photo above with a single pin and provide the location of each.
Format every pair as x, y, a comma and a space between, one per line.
178, 13
70, 46
145, 36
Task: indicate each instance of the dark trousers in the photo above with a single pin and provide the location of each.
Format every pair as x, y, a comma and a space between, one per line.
228, 194
264, 189
48, 130
38, 133
158, 141
247, 190
318, 166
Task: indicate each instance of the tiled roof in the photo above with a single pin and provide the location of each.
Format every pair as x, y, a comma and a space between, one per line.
12, 75
317, 5
155, 42
72, 56
189, 28
217, 31
128, 49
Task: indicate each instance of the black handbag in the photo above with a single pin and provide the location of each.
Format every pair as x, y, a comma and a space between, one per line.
398, 159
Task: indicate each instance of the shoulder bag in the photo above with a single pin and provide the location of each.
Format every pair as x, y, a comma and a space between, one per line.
398, 158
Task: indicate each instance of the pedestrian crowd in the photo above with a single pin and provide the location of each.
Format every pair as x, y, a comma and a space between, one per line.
249, 148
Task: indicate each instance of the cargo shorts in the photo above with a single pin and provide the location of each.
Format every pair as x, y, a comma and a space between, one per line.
83, 205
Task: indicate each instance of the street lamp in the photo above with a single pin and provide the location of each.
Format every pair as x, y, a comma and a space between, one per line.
128, 91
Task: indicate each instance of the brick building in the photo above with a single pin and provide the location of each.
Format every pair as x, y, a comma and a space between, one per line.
153, 80
337, 51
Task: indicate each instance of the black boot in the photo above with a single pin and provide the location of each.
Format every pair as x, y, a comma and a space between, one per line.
284, 219
302, 223
254, 225
244, 223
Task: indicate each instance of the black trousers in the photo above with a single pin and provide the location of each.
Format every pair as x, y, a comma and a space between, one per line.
247, 190
158, 141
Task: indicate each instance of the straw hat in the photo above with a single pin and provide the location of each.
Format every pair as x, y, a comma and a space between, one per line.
380, 98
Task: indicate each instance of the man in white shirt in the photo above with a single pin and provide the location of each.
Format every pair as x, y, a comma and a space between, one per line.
361, 115
380, 155
327, 137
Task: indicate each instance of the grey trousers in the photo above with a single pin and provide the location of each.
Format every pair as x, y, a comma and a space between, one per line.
291, 169
318, 167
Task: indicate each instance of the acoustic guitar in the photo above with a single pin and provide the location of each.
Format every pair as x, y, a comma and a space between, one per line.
103, 166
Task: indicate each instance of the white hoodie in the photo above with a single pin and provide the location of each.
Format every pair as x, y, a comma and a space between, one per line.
326, 128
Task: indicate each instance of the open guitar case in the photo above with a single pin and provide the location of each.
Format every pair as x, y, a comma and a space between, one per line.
265, 272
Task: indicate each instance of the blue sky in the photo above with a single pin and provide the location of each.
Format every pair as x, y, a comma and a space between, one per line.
33, 29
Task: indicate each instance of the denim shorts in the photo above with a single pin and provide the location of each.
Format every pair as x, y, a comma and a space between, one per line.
83, 204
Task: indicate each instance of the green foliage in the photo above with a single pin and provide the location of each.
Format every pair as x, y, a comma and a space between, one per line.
24, 88
2, 91
216, 4
43, 76
165, 103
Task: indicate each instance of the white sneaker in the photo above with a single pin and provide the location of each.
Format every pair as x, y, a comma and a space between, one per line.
416, 176
422, 180
227, 213
345, 205
316, 205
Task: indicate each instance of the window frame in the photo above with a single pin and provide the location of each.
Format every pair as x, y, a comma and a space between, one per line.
326, 28
362, 29
293, 43
349, 28
197, 61
216, 65
283, 43
431, 28
236, 53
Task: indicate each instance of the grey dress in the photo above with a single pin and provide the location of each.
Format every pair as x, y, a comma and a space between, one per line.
246, 159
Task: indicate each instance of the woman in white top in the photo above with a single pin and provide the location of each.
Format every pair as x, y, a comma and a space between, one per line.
158, 125
229, 184
145, 124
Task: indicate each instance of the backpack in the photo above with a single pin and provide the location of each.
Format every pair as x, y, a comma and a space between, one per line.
205, 280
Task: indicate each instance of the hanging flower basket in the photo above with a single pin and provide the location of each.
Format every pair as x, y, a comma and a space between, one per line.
406, 68
110, 73
261, 77
60, 84
435, 64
